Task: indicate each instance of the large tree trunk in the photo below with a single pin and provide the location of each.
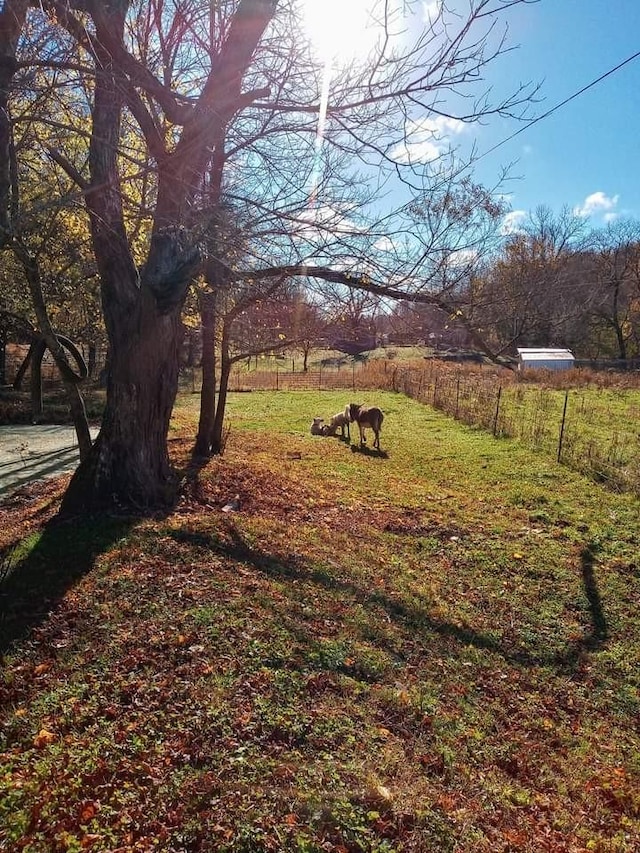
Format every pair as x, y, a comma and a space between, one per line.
129, 465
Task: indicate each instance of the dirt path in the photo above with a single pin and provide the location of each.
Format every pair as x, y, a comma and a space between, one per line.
30, 453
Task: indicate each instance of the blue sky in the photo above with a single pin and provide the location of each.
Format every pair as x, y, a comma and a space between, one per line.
586, 154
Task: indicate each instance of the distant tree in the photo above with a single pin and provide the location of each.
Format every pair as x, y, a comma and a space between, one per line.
233, 337
27, 228
351, 316
529, 294
615, 274
307, 326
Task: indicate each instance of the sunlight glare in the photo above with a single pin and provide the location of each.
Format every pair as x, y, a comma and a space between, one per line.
340, 30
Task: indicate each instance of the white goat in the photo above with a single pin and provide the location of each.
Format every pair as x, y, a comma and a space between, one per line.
340, 421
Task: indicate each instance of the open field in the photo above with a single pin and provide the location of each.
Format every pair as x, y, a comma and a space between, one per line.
433, 649
325, 358
587, 420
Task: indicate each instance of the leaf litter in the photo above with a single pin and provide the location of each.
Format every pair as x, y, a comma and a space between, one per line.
311, 673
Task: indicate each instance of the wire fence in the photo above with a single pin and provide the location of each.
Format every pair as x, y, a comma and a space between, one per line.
353, 377
591, 428
584, 420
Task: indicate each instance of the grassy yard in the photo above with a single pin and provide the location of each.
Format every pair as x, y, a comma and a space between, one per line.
435, 649
600, 435
588, 420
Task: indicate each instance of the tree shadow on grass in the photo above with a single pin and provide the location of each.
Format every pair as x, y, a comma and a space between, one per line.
36, 572
22, 472
414, 618
600, 630
598, 633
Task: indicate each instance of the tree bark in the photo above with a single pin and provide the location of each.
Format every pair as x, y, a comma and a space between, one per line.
20, 374
91, 360
3, 357
204, 438
53, 343
12, 20
129, 468
217, 438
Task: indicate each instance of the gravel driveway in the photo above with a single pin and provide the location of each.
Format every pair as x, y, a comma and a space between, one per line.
29, 453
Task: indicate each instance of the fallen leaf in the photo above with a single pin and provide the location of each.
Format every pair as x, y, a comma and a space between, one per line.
89, 811
43, 738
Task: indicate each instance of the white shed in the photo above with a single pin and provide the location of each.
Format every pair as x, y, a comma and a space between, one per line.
547, 358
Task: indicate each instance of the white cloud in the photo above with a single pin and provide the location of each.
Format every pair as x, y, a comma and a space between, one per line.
512, 222
462, 258
327, 218
430, 11
427, 138
596, 203
384, 244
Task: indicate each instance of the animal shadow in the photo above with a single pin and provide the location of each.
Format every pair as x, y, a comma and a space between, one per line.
369, 451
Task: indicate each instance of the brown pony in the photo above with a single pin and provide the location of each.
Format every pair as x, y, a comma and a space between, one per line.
367, 416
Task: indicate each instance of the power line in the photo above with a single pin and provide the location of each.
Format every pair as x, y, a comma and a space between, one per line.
561, 104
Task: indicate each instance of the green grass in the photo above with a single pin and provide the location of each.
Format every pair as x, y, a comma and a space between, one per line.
432, 649
599, 423
591, 427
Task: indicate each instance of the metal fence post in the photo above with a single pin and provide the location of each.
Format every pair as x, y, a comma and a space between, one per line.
495, 419
562, 425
